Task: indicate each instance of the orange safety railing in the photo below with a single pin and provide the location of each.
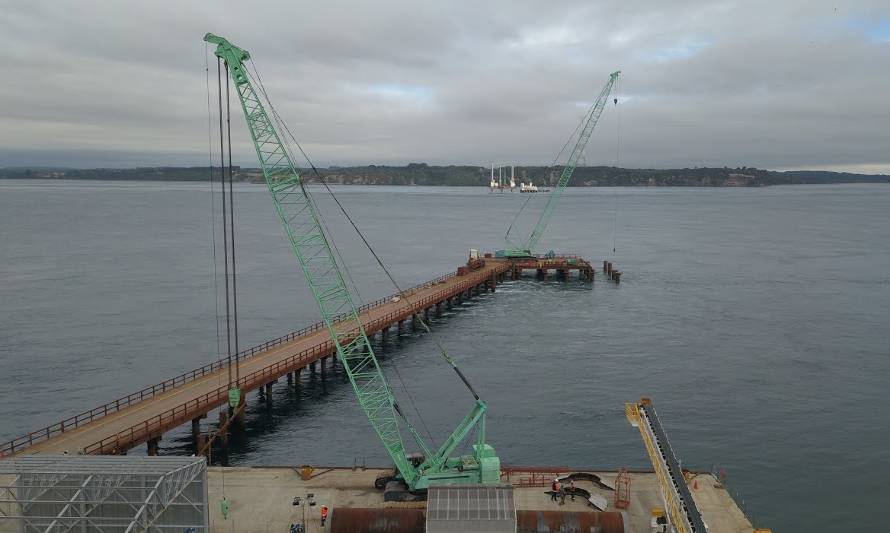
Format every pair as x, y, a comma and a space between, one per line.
11, 446
185, 412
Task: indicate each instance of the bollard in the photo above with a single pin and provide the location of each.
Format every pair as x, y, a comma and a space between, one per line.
223, 435
153, 446
196, 428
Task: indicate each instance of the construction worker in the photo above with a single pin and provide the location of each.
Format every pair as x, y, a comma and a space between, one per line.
324, 514
572, 488
554, 489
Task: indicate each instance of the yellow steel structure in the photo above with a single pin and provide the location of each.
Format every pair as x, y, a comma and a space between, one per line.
683, 514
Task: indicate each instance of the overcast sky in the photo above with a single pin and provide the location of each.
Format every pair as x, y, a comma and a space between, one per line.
788, 84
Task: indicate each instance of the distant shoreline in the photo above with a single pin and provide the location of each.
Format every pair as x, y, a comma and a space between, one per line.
420, 174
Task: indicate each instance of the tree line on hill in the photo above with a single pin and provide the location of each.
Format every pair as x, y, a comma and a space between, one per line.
467, 175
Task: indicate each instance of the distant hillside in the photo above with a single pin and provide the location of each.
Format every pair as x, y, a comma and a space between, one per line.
423, 174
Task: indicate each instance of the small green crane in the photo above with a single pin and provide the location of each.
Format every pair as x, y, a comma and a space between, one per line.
589, 121
300, 218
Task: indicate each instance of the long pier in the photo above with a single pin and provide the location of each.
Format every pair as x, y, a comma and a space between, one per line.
144, 416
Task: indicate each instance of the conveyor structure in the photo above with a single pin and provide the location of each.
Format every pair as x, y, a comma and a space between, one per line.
684, 515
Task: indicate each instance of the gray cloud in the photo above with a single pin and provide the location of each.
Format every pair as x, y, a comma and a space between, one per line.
779, 85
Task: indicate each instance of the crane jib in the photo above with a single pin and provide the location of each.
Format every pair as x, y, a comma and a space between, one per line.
310, 244
590, 120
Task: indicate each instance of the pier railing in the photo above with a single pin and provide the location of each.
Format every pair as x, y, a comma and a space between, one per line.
72, 422
176, 416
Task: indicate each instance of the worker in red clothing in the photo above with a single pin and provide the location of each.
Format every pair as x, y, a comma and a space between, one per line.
324, 514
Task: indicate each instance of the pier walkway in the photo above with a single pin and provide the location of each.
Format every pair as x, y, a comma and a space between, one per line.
146, 415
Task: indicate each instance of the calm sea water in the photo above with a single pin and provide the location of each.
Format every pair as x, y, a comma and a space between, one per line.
755, 318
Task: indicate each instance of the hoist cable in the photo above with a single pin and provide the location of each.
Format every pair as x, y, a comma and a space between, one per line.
222, 166
617, 161
232, 229
212, 202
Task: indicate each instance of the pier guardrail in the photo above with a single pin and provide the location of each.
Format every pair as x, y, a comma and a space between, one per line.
176, 416
11, 446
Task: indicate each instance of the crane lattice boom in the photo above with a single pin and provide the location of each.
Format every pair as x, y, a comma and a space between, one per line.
589, 123
299, 216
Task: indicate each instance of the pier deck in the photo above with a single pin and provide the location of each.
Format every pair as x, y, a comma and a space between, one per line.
145, 416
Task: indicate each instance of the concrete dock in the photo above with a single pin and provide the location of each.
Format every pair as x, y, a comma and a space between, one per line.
260, 498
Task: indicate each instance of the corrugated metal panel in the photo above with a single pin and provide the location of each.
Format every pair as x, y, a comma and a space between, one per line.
470, 508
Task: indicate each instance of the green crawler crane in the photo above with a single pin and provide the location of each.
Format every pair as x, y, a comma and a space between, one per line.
592, 116
299, 216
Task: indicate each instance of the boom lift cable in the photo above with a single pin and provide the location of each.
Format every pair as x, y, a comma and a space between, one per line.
379, 261
222, 166
617, 160
282, 126
280, 121
232, 229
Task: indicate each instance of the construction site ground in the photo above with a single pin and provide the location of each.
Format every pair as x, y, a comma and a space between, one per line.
261, 498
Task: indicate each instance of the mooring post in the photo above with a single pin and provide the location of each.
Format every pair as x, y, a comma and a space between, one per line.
224, 435
269, 392
196, 428
153, 446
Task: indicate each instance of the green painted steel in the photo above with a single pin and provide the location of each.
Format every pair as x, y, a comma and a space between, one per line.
300, 219
590, 120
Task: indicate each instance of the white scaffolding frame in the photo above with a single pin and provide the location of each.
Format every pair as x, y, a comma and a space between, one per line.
105, 494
